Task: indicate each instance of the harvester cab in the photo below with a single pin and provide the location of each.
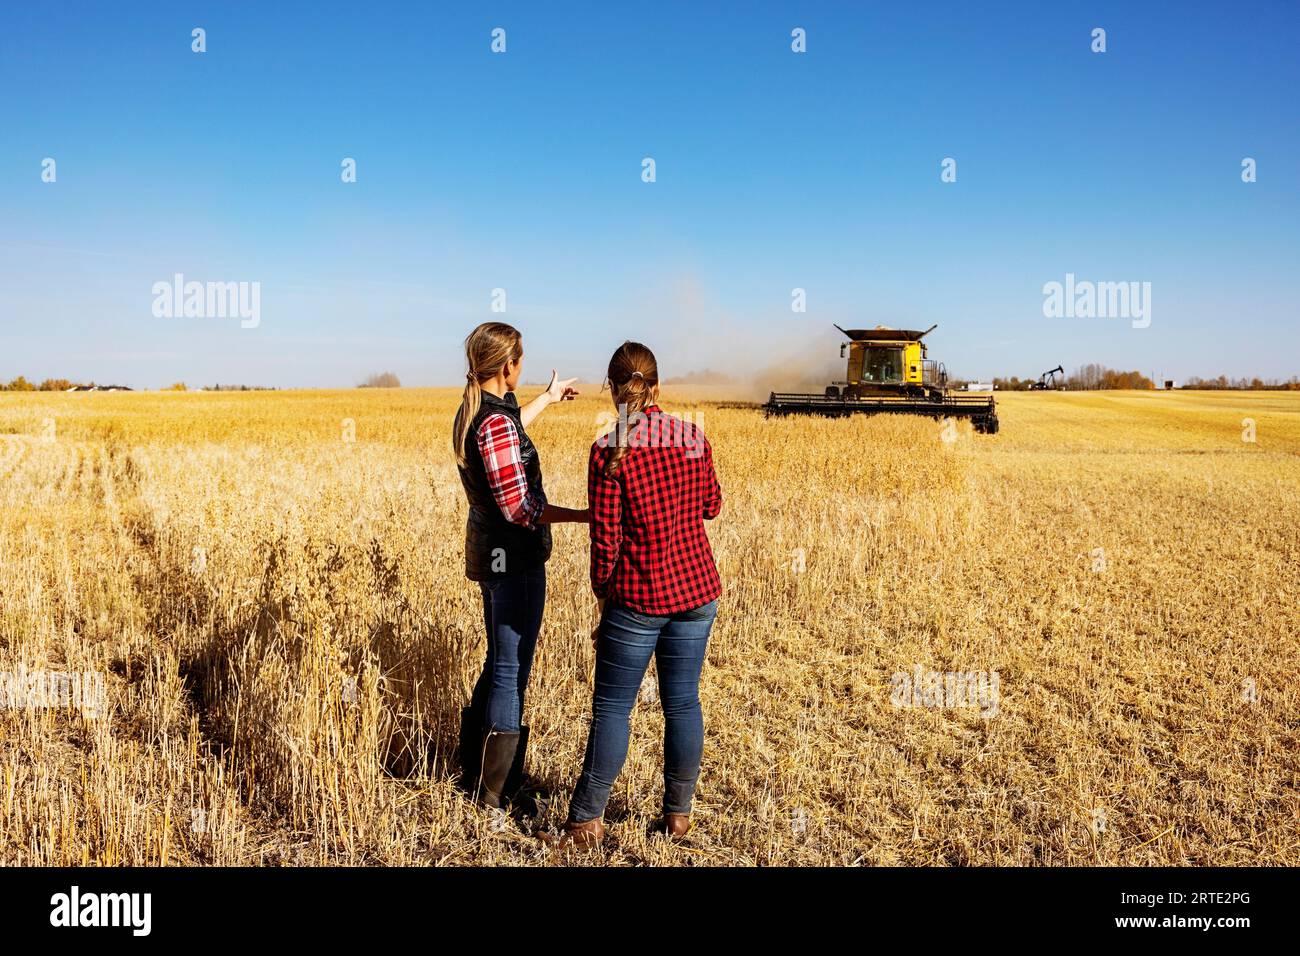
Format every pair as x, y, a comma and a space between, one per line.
885, 361
888, 371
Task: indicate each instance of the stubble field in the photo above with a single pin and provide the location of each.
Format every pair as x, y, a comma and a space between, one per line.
269, 589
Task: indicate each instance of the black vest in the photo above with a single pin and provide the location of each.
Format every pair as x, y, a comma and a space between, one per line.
494, 547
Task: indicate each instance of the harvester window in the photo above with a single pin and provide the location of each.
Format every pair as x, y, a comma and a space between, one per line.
883, 365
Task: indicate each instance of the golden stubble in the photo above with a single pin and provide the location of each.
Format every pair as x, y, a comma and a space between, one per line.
271, 586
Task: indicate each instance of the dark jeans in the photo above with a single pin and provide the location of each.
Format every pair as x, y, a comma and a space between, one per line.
512, 615
623, 648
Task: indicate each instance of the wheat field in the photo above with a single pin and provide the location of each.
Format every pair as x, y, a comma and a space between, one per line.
268, 588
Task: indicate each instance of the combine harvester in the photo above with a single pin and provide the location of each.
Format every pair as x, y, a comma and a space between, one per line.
888, 373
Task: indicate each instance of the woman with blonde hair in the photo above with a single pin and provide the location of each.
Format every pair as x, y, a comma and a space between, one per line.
650, 488
507, 543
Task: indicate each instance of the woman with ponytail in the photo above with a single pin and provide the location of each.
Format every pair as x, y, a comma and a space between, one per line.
650, 488
507, 542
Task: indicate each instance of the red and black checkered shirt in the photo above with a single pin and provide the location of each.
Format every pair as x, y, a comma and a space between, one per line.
649, 551
498, 444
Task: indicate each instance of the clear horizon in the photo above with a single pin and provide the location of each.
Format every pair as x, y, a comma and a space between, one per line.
522, 171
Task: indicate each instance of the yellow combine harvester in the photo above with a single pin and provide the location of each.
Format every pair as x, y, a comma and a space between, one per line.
888, 372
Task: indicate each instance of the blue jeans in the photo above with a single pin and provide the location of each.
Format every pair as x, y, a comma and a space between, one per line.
623, 648
512, 615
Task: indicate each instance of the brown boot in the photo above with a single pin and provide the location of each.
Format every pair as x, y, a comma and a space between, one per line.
579, 836
674, 824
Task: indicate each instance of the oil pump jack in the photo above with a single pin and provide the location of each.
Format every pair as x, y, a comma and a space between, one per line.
1048, 380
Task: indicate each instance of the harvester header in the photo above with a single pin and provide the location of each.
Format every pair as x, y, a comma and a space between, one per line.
882, 334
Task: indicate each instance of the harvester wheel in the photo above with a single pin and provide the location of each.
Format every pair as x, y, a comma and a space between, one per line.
832, 391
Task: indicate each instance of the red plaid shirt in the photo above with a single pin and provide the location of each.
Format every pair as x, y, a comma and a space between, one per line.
649, 551
498, 441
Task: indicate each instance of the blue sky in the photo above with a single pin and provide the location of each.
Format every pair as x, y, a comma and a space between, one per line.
522, 171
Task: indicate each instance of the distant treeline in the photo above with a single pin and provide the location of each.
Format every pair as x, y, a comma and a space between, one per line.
21, 384
1091, 377
1250, 385
1085, 378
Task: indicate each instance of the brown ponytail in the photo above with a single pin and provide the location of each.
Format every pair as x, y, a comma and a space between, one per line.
487, 349
633, 375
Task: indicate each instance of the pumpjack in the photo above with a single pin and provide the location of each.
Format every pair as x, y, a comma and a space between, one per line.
1047, 380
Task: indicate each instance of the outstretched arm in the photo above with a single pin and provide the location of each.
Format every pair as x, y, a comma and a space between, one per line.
558, 391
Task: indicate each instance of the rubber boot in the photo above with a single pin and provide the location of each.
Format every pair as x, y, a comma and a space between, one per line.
470, 751
499, 749
521, 789
516, 780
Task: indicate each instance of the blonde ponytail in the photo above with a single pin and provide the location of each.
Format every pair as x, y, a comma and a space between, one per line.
487, 349
469, 407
